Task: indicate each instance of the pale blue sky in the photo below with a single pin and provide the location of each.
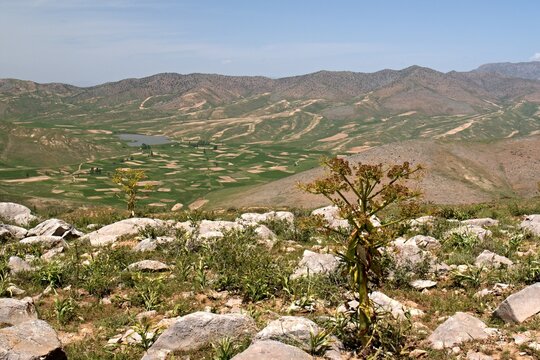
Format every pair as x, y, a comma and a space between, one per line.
94, 41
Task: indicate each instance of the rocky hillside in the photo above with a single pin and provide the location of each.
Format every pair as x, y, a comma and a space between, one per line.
260, 285
430, 91
524, 70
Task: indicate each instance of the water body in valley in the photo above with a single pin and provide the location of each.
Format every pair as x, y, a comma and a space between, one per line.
138, 139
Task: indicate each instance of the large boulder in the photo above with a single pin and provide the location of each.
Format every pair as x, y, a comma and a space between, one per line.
492, 260
212, 229
474, 355
282, 216
289, 329
425, 242
151, 244
19, 214
470, 230
177, 207
458, 329
256, 218
148, 265
55, 227
129, 227
331, 216
315, 263
422, 221
409, 253
14, 312
272, 350
532, 224
16, 232
520, 306
30, 340
423, 284
483, 222
384, 304
197, 330
265, 235
46, 242
52, 253
146, 245
17, 265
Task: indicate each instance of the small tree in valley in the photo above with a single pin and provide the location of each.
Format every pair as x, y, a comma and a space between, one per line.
128, 181
362, 192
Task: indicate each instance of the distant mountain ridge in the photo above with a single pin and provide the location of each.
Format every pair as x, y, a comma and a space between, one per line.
526, 70
414, 88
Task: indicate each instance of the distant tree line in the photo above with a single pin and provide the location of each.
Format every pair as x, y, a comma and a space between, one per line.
205, 143
95, 171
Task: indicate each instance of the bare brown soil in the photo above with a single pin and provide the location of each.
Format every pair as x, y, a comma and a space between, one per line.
455, 173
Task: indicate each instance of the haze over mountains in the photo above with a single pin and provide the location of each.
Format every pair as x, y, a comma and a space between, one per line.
51, 125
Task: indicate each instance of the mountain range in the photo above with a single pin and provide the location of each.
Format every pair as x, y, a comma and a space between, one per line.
423, 89
327, 112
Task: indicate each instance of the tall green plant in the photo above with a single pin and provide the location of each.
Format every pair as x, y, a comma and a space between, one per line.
361, 192
129, 182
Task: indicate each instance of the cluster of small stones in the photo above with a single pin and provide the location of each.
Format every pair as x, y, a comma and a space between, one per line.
24, 336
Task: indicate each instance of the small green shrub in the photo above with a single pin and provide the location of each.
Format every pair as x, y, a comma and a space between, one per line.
461, 241
52, 274
238, 263
224, 349
148, 336
148, 292
153, 232
64, 309
4, 284
472, 277
528, 270
391, 339
201, 279
319, 342
105, 271
513, 244
291, 232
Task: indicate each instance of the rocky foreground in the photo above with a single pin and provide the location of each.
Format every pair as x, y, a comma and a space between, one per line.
468, 289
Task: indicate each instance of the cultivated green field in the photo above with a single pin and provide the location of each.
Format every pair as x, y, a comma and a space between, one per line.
177, 173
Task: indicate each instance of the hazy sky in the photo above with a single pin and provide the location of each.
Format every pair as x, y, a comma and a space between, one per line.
94, 41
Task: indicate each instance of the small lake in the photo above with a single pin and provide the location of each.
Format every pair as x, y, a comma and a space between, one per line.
138, 139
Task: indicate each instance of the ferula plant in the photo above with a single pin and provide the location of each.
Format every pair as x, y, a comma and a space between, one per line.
361, 192
128, 180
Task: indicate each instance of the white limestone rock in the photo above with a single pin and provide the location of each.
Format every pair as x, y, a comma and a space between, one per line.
315, 263
148, 265
492, 260
272, 350
531, 223
17, 213
109, 234
386, 305
520, 306
197, 330
458, 329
